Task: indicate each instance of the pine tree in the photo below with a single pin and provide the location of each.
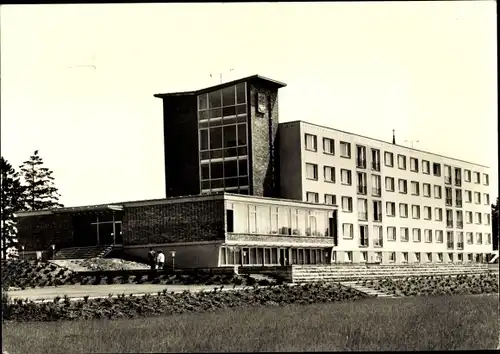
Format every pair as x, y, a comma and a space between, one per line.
41, 192
12, 198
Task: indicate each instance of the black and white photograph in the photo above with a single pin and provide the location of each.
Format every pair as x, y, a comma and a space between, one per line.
249, 177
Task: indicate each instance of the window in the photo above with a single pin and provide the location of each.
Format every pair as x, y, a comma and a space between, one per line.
378, 239
477, 197
458, 177
312, 197
404, 234
389, 184
439, 214
449, 240
436, 169
347, 230
477, 177
417, 257
468, 196
486, 198
361, 183
460, 240
375, 160
311, 171
479, 238
449, 218
274, 220
415, 211
448, 193
437, 192
345, 177
311, 142
391, 233
470, 238
405, 257
345, 149
360, 156
468, 217
377, 210
402, 162
416, 235
415, 190
347, 204
348, 256
362, 209
427, 213
252, 219
447, 174
403, 186
330, 199
329, 173
364, 256
440, 257
403, 210
486, 179
488, 239
460, 222
363, 235
376, 185
487, 219
427, 189
460, 257
426, 167
328, 146
390, 208
428, 235
478, 218
389, 159
413, 164
458, 198
467, 175
439, 236
392, 257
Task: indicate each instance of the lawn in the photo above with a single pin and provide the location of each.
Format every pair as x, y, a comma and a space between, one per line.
422, 323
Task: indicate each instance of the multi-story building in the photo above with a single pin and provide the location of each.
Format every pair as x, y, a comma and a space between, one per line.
396, 204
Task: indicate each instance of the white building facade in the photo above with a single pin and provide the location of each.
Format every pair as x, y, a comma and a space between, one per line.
396, 204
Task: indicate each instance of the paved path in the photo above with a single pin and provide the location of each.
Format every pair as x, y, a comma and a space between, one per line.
367, 290
93, 291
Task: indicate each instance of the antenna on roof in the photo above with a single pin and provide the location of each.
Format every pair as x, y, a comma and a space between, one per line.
394, 136
411, 142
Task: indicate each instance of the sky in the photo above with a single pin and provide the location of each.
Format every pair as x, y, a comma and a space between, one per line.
426, 69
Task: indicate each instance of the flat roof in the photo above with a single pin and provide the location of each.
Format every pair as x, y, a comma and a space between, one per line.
382, 141
188, 198
220, 86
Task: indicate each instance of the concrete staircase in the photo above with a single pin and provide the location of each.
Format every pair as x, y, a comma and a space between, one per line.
83, 252
367, 290
350, 272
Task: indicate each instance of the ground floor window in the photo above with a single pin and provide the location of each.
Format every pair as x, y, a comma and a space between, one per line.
258, 256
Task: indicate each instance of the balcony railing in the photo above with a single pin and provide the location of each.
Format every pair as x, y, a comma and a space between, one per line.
376, 191
449, 245
376, 166
449, 223
460, 224
361, 189
460, 245
448, 201
458, 203
458, 182
363, 242
360, 163
362, 215
378, 243
447, 179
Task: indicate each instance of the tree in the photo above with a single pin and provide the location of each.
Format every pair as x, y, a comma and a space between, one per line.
12, 198
494, 225
41, 192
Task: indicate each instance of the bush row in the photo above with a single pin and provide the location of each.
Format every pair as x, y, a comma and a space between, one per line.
170, 303
437, 285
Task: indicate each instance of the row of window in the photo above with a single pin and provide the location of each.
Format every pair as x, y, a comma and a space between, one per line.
346, 179
416, 257
378, 237
272, 256
345, 152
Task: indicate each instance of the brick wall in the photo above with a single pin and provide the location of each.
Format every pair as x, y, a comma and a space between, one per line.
180, 125
263, 132
37, 233
172, 223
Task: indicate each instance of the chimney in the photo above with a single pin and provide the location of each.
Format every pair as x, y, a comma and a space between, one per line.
393, 137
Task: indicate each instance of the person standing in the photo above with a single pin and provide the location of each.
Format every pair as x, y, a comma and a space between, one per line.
151, 258
160, 259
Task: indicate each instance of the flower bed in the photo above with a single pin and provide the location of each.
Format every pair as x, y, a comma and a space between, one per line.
437, 285
23, 274
170, 303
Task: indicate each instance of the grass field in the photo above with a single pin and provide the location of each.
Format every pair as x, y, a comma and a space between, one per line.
420, 323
